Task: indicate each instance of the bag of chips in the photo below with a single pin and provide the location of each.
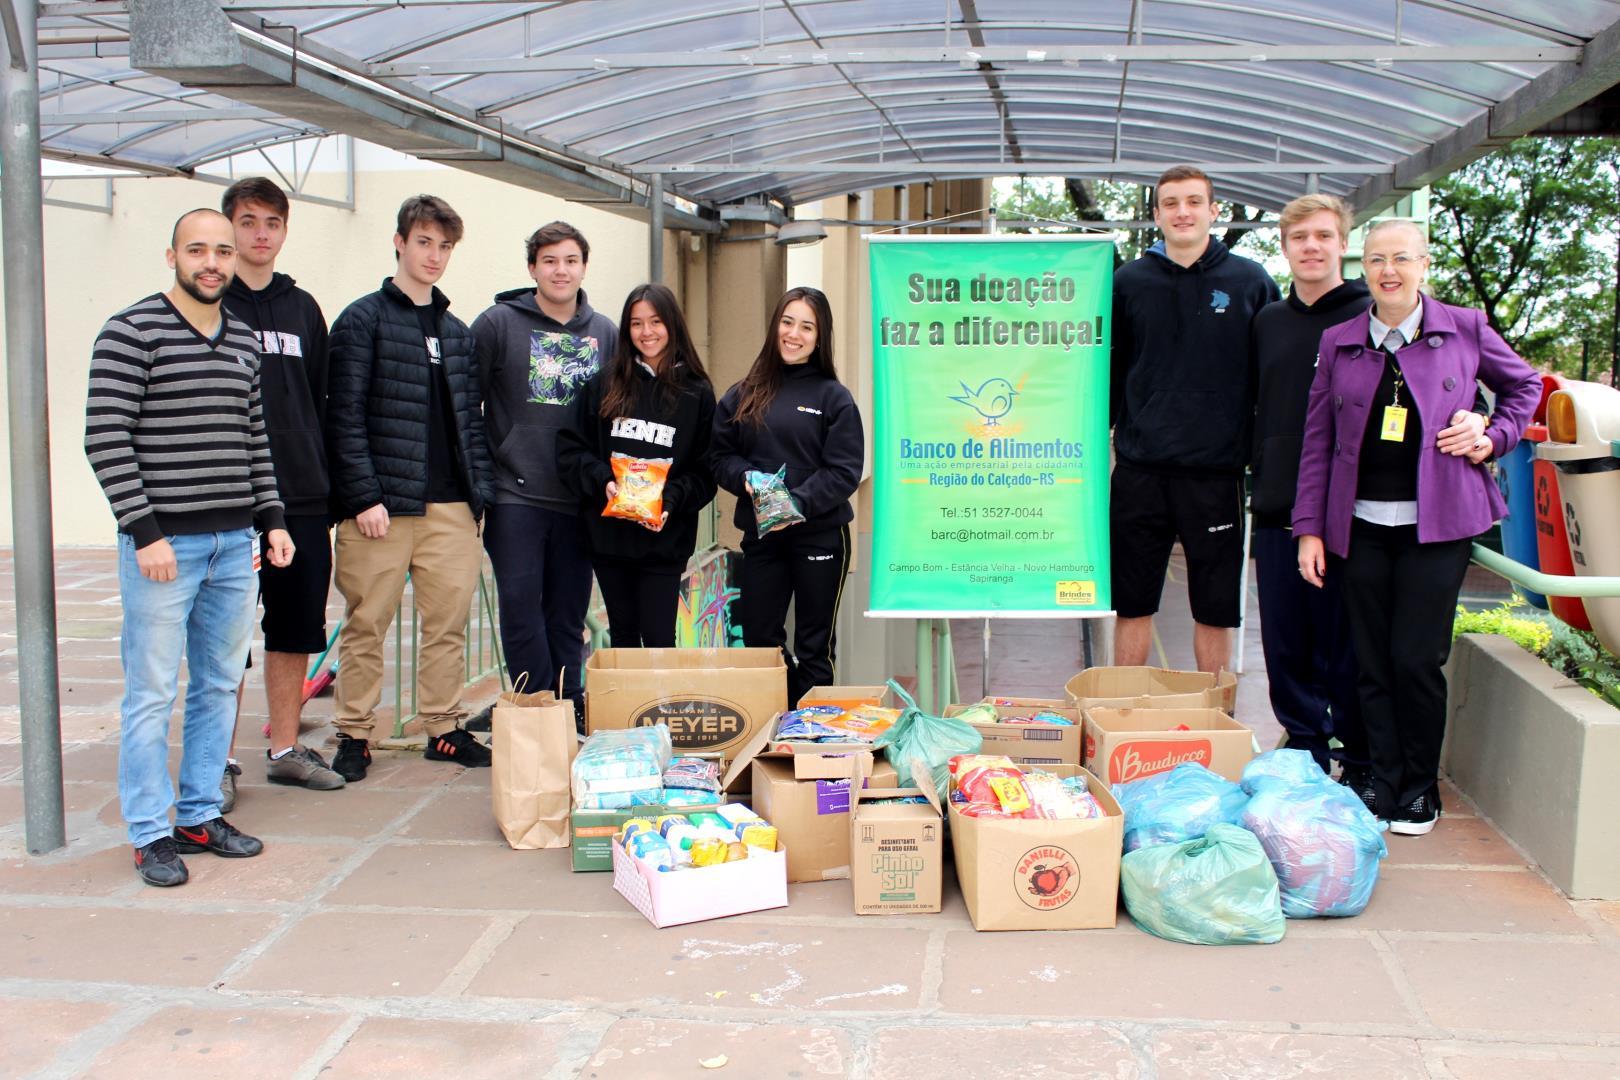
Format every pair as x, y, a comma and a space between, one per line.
809, 724
640, 497
774, 507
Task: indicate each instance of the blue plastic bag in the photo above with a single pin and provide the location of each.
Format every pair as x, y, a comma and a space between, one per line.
1322, 842
933, 740
1178, 805
1293, 766
1216, 890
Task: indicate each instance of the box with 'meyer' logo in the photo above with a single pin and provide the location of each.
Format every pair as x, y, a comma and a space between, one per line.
1122, 745
712, 699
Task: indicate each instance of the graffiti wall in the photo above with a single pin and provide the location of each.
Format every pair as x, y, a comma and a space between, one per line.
705, 618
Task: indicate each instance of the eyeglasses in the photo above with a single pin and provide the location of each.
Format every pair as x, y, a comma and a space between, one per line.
1401, 261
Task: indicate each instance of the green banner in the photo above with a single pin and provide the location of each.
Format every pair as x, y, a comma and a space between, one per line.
990, 486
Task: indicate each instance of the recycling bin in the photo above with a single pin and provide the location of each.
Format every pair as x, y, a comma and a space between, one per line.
1515, 478
1552, 539
1583, 420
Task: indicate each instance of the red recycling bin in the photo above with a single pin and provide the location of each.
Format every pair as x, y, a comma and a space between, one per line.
1552, 538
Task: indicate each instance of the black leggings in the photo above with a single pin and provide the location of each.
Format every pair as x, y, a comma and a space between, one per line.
809, 570
641, 603
1401, 599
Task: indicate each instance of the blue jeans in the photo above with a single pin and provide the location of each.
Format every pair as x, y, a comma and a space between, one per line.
205, 613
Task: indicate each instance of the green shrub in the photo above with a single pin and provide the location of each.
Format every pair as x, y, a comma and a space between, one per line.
1525, 631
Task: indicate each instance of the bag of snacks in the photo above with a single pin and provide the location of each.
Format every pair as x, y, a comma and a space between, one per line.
774, 507
640, 497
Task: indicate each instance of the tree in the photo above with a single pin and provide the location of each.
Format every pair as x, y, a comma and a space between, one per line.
1527, 235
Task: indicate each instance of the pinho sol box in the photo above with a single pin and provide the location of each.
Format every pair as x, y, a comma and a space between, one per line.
712, 699
1122, 745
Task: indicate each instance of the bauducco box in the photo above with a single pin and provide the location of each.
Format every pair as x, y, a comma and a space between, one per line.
1127, 744
896, 850
1019, 874
1161, 688
712, 699
804, 790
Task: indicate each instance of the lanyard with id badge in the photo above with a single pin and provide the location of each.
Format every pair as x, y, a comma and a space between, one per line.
1393, 429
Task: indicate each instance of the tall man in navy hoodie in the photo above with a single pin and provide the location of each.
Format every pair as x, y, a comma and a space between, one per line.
1180, 410
291, 332
537, 347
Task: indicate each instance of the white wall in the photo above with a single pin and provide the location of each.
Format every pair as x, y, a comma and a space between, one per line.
96, 264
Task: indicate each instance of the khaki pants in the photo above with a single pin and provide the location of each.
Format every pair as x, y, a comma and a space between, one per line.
441, 553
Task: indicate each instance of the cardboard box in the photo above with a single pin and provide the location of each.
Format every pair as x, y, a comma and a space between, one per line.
1041, 875
1143, 687
591, 832
897, 853
710, 892
803, 789
1031, 744
712, 699
1127, 744
847, 697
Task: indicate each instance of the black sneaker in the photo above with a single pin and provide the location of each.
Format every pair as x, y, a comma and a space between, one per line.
1416, 818
218, 836
352, 759
482, 722
1358, 778
458, 746
160, 864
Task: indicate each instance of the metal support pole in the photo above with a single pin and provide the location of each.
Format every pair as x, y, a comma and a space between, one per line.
925, 664
655, 227
1243, 588
984, 668
22, 217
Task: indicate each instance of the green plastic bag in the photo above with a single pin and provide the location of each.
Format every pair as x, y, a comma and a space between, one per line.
1217, 890
933, 740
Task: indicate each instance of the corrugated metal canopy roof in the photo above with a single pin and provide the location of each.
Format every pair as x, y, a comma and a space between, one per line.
799, 99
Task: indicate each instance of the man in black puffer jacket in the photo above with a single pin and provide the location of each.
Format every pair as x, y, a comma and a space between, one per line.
410, 479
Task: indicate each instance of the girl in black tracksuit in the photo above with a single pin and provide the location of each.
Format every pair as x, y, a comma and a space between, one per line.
653, 400
790, 409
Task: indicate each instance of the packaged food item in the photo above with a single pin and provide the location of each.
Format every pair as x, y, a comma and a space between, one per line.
692, 774
690, 797
962, 762
864, 723
760, 836
736, 851
707, 851
1042, 717
736, 814
705, 818
640, 497
650, 848
615, 770
681, 834
896, 800
635, 825
992, 791
982, 713
774, 507
664, 821
809, 724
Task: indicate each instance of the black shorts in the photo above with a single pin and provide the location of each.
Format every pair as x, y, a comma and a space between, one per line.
1148, 513
294, 596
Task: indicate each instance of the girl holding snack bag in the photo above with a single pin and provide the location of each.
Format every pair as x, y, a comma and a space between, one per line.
637, 452
788, 442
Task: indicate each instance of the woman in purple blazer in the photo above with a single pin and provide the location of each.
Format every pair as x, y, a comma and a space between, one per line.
1388, 503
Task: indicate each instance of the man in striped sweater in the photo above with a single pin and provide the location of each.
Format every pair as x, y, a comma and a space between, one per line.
176, 437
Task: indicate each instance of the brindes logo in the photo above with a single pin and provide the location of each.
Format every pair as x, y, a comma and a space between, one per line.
695, 723
1046, 877
1142, 757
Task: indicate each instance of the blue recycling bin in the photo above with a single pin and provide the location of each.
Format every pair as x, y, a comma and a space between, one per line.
1516, 480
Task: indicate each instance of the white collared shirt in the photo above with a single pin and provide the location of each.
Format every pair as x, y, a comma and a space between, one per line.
1379, 512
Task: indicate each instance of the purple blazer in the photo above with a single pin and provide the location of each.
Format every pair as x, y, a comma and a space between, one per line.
1455, 499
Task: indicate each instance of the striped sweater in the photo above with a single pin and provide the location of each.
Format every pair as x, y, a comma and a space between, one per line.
173, 427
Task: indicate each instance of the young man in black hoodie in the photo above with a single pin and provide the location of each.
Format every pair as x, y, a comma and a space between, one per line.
1180, 411
1310, 664
537, 347
292, 375
411, 478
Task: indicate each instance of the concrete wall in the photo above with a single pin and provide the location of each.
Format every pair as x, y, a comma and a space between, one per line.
97, 263
1539, 754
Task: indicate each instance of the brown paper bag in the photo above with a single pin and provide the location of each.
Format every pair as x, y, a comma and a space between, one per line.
534, 745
